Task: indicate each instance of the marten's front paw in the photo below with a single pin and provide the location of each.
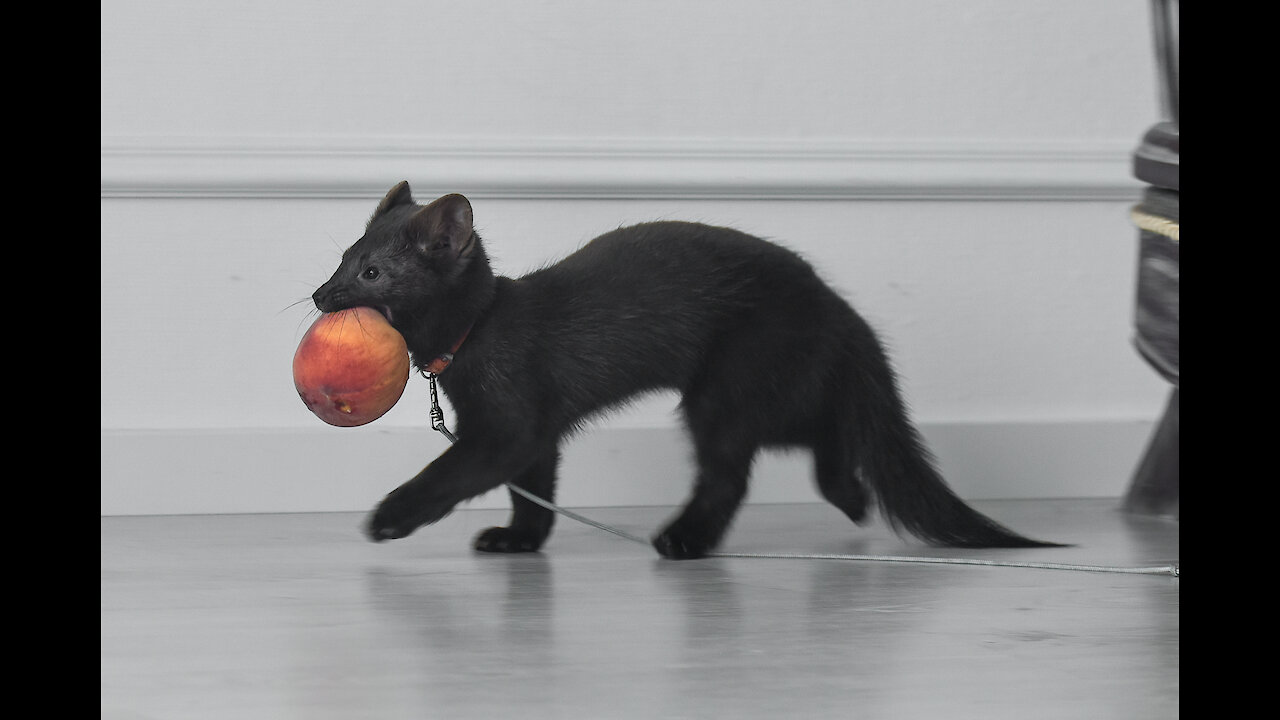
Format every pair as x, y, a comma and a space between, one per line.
509, 540
674, 545
379, 527
398, 516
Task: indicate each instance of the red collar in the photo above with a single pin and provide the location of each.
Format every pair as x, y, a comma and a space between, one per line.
442, 362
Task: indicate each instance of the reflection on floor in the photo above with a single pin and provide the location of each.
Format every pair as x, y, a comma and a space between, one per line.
297, 616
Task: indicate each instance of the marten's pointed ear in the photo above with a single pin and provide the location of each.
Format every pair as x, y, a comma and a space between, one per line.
444, 226
398, 195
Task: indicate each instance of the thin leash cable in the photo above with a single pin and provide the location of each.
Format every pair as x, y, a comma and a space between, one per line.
575, 516
1154, 570
437, 424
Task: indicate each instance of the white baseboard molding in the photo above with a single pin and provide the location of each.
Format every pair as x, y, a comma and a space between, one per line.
143, 167
177, 472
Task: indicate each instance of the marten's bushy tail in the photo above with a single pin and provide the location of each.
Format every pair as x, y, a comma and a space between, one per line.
900, 472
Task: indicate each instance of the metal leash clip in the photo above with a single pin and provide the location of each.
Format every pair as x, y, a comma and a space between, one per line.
437, 415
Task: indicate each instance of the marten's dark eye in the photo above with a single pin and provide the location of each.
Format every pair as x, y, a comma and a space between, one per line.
370, 273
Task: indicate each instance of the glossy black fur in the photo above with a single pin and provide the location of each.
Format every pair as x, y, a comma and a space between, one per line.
763, 353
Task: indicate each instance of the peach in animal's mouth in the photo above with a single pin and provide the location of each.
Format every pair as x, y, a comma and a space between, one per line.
351, 367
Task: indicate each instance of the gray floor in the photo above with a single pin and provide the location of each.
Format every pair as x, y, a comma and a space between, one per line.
296, 616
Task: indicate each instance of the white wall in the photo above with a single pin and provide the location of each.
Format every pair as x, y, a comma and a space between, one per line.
959, 170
